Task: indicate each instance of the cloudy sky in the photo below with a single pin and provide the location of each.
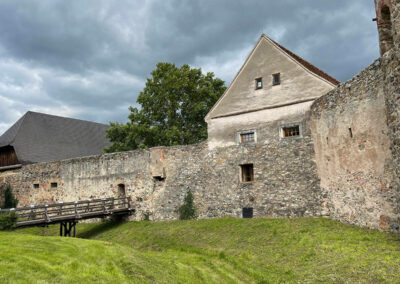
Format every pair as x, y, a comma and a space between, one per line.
89, 59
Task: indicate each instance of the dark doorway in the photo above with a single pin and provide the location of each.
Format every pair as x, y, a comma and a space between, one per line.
121, 190
247, 213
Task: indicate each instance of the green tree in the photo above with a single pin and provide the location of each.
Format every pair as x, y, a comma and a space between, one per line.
9, 200
187, 211
173, 104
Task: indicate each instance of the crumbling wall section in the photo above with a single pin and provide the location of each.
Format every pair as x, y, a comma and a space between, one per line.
353, 151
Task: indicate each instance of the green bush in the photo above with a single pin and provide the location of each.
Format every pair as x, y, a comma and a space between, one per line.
8, 221
10, 200
187, 210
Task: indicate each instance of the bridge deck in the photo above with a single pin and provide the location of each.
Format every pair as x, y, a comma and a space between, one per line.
43, 215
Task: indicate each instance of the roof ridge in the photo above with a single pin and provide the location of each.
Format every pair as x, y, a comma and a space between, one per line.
64, 117
309, 66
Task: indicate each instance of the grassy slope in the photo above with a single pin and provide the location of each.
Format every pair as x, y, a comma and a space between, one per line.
218, 250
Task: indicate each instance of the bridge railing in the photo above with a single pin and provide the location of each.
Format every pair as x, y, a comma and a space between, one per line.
69, 210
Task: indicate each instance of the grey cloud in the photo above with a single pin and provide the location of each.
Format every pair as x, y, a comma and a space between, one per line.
89, 59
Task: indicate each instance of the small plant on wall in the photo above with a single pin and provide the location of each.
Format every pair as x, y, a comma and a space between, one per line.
187, 211
9, 199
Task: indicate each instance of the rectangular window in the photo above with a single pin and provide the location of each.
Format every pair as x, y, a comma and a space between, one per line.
276, 79
259, 83
35, 185
53, 184
247, 173
247, 212
247, 138
291, 131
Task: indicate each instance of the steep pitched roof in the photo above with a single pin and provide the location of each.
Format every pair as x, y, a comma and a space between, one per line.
39, 137
305, 65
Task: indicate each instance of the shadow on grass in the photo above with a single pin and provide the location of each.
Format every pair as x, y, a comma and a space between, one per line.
99, 229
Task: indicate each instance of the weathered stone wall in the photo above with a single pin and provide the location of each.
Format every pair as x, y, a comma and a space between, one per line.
353, 151
285, 178
3, 188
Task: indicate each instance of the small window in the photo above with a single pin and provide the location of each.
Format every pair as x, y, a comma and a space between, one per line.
247, 213
276, 79
291, 131
53, 184
247, 173
247, 138
259, 84
36, 185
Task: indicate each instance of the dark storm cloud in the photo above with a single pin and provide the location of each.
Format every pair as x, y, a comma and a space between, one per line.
89, 59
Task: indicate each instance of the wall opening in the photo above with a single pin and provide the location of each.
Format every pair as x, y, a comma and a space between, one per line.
247, 173
121, 190
351, 133
53, 185
385, 30
36, 185
247, 212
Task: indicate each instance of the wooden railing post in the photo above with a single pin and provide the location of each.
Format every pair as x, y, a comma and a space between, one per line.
46, 215
76, 209
104, 205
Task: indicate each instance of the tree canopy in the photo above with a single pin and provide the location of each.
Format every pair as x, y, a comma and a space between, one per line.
173, 104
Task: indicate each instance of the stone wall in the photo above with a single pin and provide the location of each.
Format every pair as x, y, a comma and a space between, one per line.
353, 151
285, 178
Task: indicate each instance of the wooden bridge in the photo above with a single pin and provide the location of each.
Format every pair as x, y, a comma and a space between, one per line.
68, 214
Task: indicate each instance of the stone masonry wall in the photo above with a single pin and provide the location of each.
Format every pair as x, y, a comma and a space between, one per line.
353, 153
285, 178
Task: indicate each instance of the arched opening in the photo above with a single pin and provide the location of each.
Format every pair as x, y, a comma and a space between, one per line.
121, 190
385, 30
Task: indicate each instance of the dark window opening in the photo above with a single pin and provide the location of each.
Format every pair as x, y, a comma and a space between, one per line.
385, 30
292, 131
53, 184
159, 178
139, 199
247, 173
247, 213
35, 185
259, 84
276, 79
121, 190
247, 138
351, 133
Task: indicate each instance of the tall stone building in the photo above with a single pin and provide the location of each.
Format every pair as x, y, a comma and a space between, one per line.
278, 147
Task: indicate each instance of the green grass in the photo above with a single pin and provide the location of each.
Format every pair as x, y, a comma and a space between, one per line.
219, 250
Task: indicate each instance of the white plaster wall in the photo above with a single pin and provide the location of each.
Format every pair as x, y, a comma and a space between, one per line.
222, 131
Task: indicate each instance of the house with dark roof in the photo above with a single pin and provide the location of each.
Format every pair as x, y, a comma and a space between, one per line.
38, 137
268, 99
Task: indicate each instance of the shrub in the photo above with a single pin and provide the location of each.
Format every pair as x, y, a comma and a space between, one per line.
8, 221
10, 201
187, 210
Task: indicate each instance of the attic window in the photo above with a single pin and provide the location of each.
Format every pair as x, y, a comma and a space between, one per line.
247, 138
276, 79
259, 84
53, 185
247, 173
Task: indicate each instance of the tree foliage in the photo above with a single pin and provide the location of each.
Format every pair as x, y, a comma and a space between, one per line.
9, 200
173, 104
187, 211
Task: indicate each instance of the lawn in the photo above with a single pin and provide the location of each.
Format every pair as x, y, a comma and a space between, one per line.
222, 250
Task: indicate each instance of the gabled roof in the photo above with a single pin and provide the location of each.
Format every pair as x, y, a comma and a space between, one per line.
307, 64
302, 63
38, 137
